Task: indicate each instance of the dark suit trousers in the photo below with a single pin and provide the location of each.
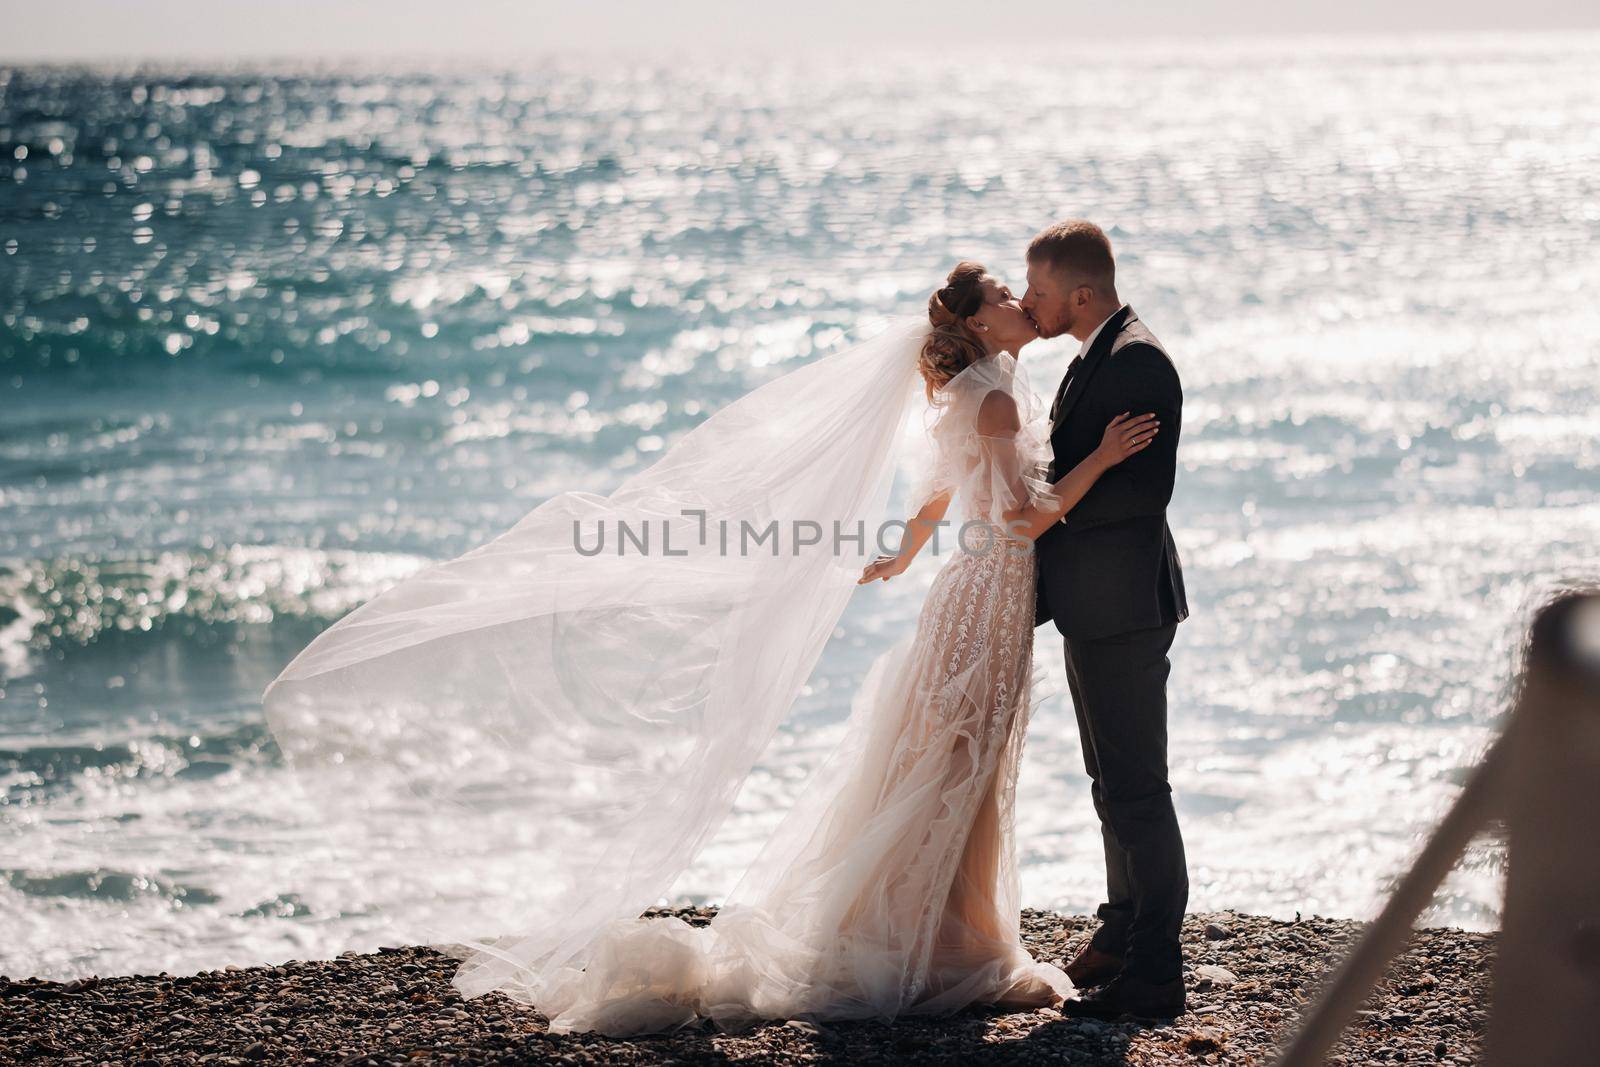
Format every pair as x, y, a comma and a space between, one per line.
1118, 687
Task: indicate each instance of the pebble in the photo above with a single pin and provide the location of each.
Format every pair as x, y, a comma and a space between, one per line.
397, 1006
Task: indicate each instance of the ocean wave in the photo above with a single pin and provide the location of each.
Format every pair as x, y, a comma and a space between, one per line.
34, 774
105, 885
81, 600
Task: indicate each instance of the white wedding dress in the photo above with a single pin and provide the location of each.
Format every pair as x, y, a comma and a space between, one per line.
891, 887
535, 741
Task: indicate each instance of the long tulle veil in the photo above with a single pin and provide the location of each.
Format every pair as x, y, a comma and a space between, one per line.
533, 740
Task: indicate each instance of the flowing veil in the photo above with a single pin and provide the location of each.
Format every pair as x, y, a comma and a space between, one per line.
531, 741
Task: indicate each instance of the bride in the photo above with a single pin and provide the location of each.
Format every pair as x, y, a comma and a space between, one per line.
540, 735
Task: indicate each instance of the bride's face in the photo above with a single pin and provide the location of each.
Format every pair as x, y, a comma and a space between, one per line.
1005, 325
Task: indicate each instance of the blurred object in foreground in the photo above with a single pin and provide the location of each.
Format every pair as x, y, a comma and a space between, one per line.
1543, 777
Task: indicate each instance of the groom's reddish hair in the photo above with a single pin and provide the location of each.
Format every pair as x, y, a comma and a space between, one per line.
1078, 249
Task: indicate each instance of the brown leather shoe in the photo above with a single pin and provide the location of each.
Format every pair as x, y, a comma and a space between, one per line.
1091, 967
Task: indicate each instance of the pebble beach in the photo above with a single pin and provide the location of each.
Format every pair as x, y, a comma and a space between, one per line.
1249, 979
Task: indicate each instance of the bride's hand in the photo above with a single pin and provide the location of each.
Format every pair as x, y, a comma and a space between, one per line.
1125, 435
884, 567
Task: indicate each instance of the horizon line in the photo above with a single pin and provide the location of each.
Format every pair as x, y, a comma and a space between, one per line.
1336, 39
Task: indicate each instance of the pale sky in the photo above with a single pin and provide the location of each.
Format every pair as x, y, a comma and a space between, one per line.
84, 29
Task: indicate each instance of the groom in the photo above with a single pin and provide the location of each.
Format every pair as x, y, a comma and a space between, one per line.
1109, 577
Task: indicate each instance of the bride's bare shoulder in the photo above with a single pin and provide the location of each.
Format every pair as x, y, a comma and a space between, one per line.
997, 414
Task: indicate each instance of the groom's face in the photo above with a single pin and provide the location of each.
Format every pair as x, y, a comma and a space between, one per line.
1051, 301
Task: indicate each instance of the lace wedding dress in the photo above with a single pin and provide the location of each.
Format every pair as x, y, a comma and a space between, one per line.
891, 887
517, 751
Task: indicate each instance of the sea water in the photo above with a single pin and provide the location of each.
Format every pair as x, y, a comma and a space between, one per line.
272, 337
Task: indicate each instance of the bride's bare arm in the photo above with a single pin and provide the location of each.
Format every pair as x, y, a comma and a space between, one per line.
918, 529
1125, 435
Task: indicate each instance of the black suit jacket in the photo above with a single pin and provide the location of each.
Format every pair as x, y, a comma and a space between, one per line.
1111, 566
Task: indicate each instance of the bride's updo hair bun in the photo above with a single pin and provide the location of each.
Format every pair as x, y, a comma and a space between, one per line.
951, 346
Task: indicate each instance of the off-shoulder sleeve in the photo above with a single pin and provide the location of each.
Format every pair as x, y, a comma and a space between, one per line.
1007, 477
988, 443
938, 469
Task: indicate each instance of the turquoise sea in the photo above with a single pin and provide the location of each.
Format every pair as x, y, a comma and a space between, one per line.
273, 336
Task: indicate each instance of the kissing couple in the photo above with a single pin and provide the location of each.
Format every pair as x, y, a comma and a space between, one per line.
587, 721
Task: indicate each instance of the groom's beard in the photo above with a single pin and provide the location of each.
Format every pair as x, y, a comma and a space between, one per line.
1062, 328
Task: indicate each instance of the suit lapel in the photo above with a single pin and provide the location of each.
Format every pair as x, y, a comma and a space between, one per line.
1091, 362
